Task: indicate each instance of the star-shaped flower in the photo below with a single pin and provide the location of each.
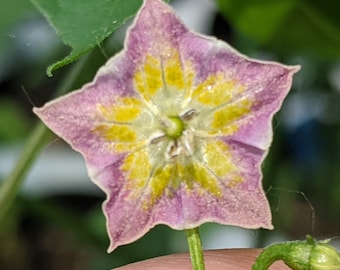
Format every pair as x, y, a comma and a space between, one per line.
174, 129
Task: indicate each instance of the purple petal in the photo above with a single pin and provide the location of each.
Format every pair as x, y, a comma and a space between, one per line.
211, 173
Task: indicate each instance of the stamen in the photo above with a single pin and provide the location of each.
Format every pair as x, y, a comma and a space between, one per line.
158, 139
187, 116
173, 151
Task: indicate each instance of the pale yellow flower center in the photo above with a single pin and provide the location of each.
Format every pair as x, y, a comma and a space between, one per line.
168, 131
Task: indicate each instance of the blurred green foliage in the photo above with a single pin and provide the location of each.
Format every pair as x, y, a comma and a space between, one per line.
13, 121
12, 12
288, 26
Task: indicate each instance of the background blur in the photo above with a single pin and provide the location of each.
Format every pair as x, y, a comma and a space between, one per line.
57, 222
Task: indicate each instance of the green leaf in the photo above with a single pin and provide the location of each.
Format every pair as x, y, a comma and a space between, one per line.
305, 26
84, 24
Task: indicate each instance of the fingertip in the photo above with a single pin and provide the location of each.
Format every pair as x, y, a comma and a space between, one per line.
224, 259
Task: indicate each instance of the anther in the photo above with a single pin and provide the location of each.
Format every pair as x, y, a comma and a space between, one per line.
187, 116
158, 139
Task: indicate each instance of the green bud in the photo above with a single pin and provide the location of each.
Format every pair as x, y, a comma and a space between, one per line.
300, 255
324, 257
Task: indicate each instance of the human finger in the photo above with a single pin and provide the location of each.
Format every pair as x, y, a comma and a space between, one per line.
224, 259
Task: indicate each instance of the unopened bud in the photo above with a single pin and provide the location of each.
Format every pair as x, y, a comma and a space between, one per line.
324, 257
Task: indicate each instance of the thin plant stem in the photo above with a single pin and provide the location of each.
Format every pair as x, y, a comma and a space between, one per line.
195, 249
35, 142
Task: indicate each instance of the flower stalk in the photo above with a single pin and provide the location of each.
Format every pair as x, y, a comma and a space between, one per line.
35, 142
195, 249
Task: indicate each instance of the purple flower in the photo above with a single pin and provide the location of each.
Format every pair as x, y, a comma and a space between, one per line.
174, 129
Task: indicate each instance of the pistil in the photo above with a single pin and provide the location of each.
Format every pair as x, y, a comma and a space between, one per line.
173, 127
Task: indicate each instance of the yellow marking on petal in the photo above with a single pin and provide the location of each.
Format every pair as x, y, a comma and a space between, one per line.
173, 174
116, 133
206, 180
153, 74
236, 180
219, 160
226, 130
173, 72
137, 167
189, 74
186, 174
148, 80
216, 90
230, 113
125, 110
194, 172
119, 147
164, 73
161, 179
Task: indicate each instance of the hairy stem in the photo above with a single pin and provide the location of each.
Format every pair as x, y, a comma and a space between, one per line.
267, 257
35, 142
195, 248
295, 254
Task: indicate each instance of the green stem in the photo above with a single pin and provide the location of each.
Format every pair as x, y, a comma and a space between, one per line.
36, 141
195, 248
268, 256
295, 254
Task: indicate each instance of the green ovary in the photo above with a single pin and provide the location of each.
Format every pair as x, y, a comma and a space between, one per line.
174, 127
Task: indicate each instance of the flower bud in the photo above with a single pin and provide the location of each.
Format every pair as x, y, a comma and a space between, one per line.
324, 257
300, 255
